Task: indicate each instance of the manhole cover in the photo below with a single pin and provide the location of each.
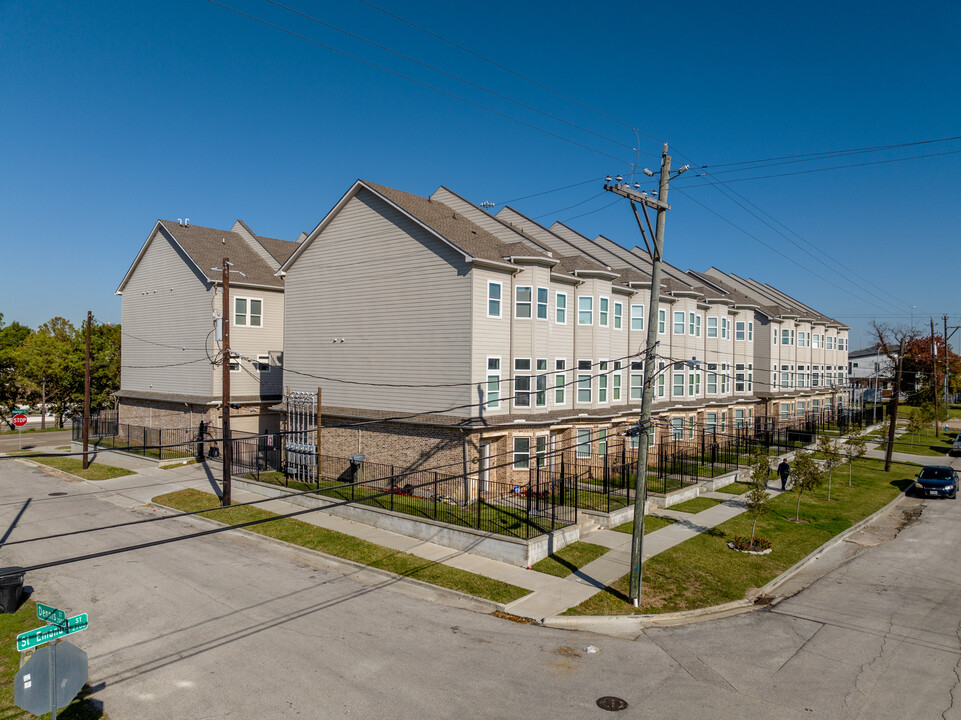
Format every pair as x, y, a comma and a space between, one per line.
609, 702
56, 494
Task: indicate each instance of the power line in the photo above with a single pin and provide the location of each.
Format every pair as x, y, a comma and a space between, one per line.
817, 170
827, 154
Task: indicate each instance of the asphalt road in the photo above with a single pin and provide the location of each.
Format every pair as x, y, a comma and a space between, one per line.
10, 441
234, 626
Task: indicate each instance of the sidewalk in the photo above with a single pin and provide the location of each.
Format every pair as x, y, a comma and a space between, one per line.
549, 596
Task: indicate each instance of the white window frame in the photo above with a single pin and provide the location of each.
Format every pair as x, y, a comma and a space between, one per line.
543, 304
675, 384
262, 365
750, 332
637, 317
603, 311
540, 382
740, 331
712, 327
560, 381
678, 323
499, 299
529, 303
603, 380
248, 312
560, 308
522, 396
661, 321
493, 398
618, 316
585, 306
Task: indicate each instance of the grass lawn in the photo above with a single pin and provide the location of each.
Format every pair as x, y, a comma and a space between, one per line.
27, 431
570, 558
344, 546
696, 505
74, 466
489, 516
923, 443
10, 626
702, 571
123, 444
651, 523
736, 488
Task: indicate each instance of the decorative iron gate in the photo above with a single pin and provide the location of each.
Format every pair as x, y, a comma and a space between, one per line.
300, 440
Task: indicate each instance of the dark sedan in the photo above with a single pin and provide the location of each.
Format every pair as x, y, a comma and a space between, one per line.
937, 481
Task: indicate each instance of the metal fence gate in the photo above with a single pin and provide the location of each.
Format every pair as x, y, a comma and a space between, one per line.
300, 440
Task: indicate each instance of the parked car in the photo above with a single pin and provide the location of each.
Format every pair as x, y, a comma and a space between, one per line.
937, 481
956, 447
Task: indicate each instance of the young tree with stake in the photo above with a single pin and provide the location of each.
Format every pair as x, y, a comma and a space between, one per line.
829, 447
757, 501
807, 476
854, 448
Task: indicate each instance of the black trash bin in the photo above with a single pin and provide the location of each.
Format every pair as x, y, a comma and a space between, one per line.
11, 585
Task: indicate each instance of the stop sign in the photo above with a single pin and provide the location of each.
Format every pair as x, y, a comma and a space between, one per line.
20, 420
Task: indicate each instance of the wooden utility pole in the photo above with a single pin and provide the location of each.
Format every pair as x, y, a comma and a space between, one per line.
647, 398
894, 408
934, 377
228, 448
86, 398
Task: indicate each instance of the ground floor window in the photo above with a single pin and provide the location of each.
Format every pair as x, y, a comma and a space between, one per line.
522, 453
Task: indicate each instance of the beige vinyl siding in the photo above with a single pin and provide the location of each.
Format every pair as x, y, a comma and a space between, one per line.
250, 342
397, 296
491, 337
165, 307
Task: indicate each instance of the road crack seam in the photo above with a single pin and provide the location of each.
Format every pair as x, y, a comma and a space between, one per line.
952, 694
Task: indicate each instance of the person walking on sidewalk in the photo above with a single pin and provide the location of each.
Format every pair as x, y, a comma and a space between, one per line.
783, 471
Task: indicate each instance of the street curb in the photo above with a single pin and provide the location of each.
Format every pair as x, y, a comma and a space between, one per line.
633, 625
338, 564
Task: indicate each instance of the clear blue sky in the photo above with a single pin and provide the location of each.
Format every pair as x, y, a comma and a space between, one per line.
115, 114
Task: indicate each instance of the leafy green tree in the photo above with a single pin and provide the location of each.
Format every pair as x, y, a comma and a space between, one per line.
854, 448
50, 361
11, 386
757, 501
831, 451
807, 475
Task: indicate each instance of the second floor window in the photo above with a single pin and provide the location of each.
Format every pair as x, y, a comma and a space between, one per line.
560, 308
542, 296
585, 310
493, 299
522, 302
637, 317
618, 316
602, 312
712, 327
679, 323
248, 312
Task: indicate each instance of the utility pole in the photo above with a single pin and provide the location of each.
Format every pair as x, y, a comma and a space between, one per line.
894, 408
660, 205
228, 448
934, 378
947, 355
86, 398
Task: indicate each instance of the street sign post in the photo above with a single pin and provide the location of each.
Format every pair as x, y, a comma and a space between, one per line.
32, 638
19, 420
50, 679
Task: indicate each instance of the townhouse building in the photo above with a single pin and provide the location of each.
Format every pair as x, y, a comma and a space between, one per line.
170, 311
439, 335
443, 336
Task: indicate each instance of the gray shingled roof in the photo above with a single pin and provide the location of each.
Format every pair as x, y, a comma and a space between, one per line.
208, 247
469, 237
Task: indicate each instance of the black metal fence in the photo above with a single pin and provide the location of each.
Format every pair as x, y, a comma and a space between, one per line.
157, 443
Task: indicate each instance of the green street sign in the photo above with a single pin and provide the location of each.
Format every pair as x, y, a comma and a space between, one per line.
51, 614
32, 638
